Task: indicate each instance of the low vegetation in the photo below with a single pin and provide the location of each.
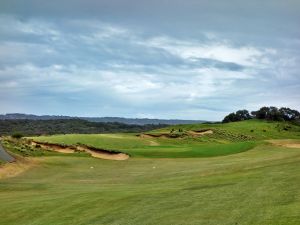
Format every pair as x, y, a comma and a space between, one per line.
23, 148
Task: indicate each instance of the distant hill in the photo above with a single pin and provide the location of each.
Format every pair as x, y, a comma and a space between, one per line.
69, 126
136, 121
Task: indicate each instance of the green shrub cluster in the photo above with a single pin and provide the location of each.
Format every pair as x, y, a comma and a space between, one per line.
23, 149
231, 136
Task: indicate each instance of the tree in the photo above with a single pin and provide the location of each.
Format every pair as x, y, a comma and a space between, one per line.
289, 114
261, 113
237, 116
243, 115
275, 114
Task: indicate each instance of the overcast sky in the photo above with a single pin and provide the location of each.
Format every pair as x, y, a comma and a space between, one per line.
185, 59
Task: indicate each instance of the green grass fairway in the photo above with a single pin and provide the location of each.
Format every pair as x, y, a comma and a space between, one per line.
167, 181
260, 186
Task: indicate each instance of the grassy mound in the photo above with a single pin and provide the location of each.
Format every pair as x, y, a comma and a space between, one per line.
252, 129
186, 140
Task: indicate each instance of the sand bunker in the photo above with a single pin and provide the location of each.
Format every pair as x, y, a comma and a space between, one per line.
54, 147
103, 154
200, 132
94, 152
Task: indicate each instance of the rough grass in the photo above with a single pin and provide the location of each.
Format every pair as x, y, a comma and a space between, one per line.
258, 129
260, 186
16, 146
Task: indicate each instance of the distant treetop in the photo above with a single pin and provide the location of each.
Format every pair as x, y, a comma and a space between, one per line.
267, 113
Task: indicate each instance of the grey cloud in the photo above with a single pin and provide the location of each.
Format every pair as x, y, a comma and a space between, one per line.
264, 17
189, 59
205, 62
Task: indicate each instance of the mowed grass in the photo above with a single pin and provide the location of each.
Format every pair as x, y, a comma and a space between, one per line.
260, 186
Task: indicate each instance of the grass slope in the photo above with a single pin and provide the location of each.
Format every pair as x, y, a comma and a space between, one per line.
261, 186
258, 129
226, 139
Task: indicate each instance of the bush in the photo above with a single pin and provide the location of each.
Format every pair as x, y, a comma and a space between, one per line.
17, 135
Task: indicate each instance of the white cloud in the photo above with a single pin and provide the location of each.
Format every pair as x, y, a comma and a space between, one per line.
222, 51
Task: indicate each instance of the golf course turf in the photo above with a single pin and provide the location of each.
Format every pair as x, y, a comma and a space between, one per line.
257, 183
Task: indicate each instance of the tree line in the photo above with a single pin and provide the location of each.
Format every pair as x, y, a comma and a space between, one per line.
68, 126
267, 113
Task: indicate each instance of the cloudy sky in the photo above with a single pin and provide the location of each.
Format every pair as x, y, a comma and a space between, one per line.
187, 59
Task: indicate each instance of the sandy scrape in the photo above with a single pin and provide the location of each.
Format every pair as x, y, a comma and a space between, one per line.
200, 132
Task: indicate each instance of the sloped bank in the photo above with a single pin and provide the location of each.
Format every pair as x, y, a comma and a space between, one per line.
94, 152
189, 133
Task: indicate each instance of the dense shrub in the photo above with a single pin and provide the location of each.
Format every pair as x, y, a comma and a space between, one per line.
237, 116
275, 114
17, 135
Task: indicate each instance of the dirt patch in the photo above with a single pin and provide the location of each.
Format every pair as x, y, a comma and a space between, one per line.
94, 152
19, 166
153, 143
292, 145
285, 143
154, 135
